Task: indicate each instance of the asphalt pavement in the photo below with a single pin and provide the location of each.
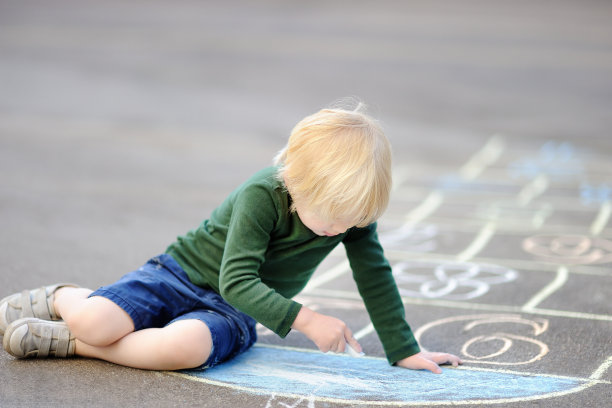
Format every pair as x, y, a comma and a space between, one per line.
124, 123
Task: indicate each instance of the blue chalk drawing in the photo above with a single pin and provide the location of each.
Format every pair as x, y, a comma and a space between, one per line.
555, 159
289, 372
592, 194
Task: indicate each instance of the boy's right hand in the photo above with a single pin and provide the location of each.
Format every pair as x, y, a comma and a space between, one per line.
328, 333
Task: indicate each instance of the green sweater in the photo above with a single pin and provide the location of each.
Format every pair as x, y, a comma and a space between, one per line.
257, 254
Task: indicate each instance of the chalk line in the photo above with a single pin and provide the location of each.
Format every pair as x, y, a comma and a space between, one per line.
486, 156
431, 203
483, 237
455, 304
398, 255
597, 374
330, 275
364, 332
536, 187
552, 287
602, 218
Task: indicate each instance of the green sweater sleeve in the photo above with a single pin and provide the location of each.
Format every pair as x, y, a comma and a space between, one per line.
254, 216
373, 276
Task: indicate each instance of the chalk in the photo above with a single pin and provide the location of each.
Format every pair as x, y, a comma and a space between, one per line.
352, 352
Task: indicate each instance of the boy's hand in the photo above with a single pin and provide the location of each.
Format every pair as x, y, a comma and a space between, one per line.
328, 333
428, 360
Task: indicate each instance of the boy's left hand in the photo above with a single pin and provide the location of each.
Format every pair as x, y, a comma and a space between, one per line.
428, 360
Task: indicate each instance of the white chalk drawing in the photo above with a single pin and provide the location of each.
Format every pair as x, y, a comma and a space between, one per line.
569, 249
555, 159
306, 401
534, 214
419, 238
493, 347
451, 280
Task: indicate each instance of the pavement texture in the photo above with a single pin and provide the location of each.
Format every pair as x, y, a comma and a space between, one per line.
124, 123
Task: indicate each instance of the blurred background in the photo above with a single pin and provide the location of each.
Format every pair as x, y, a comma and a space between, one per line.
124, 123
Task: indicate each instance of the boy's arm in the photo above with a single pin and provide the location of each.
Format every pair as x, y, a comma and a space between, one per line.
377, 287
254, 215
373, 276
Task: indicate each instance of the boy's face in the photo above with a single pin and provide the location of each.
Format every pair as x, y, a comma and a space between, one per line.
319, 226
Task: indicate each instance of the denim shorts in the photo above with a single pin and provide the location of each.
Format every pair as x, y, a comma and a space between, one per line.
160, 293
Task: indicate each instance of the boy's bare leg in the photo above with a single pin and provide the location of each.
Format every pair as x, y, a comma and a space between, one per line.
104, 330
96, 320
182, 344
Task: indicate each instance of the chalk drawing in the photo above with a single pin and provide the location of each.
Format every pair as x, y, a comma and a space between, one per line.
603, 217
533, 189
274, 402
471, 305
569, 249
306, 377
595, 194
338, 270
411, 238
480, 241
485, 157
532, 214
503, 341
449, 279
560, 280
555, 159
431, 203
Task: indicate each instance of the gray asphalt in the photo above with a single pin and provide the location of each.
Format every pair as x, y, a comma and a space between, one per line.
124, 123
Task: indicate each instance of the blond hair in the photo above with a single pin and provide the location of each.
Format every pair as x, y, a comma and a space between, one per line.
337, 163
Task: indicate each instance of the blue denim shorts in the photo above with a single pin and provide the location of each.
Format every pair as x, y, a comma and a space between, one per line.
160, 293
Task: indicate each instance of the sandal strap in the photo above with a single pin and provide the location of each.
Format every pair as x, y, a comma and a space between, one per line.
63, 344
46, 336
26, 304
39, 304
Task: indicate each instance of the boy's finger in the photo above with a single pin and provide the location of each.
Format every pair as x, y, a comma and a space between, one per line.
352, 345
445, 358
431, 366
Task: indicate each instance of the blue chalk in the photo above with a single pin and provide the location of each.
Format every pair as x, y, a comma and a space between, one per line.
274, 370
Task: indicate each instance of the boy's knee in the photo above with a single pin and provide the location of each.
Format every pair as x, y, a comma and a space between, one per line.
99, 322
188, 344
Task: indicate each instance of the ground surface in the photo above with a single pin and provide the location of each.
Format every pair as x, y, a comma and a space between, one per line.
123, 124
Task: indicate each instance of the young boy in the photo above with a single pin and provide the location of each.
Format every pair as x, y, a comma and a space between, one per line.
197, 304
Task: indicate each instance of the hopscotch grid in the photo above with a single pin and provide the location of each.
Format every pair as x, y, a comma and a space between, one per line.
565, 204
603, 217
480, 241
454, 304
504, 227
483, 159
548, 290
532, 266
530, 191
